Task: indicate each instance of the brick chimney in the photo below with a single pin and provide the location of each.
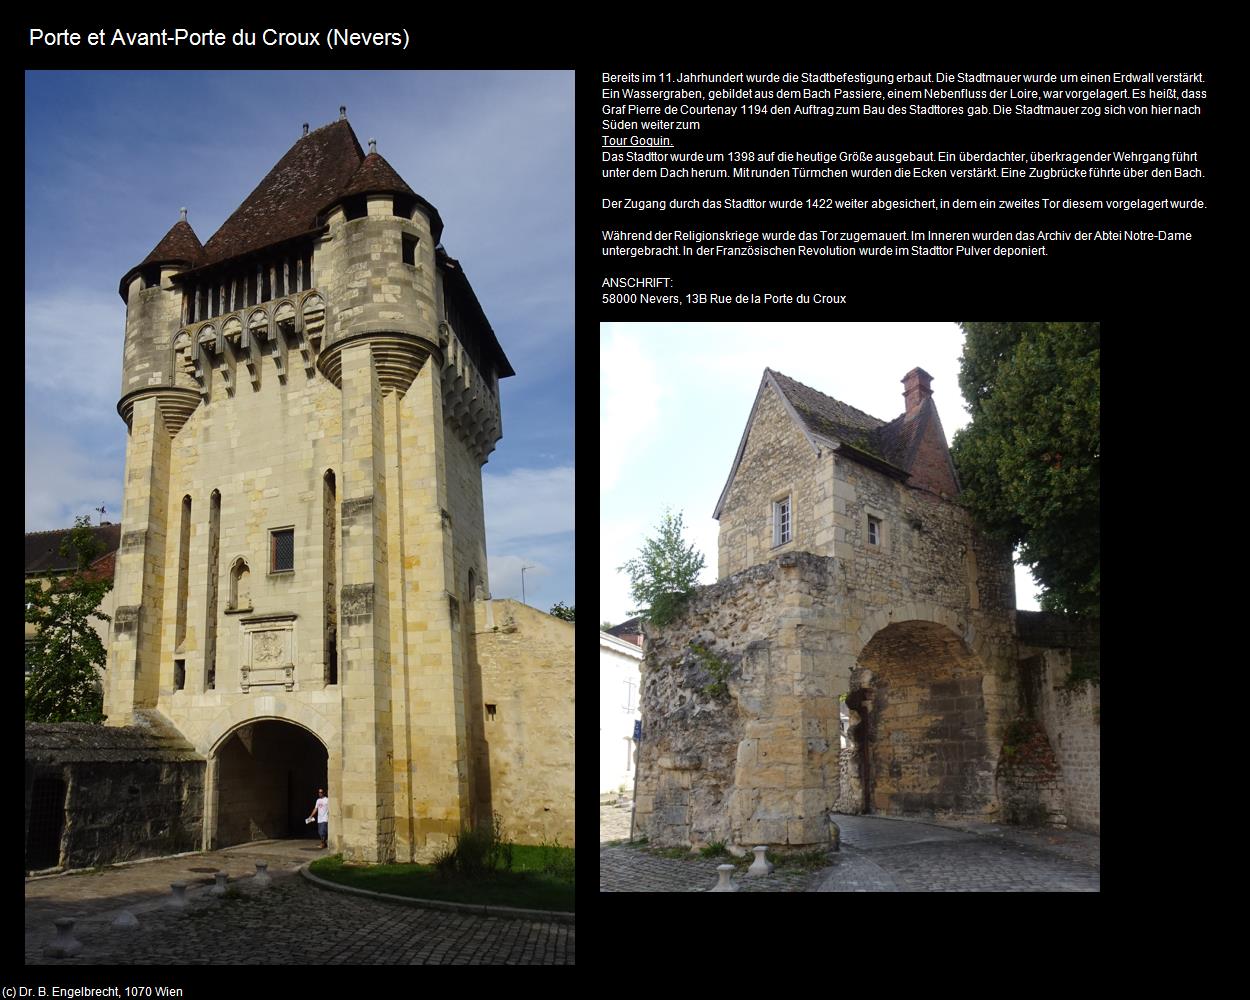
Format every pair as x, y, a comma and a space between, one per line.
916, 389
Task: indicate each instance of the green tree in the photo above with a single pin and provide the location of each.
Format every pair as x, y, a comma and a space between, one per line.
1029, 461
559, 610
664, 572
62, 685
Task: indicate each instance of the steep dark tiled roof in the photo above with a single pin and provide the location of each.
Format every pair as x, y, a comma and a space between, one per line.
631, 627
43, 549
178, 246
374, 176
285, 204
827, 416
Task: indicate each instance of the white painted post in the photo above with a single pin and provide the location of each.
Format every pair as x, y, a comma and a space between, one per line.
178, 901
760, 865
262, 874
64, 945
220, 888
725, 884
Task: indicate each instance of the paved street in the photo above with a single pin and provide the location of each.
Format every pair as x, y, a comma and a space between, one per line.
886, 855
292, 922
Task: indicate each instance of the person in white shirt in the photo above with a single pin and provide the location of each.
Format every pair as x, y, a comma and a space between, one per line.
321, 809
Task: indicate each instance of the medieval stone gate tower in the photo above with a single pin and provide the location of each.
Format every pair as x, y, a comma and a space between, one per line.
851, 585
310, 396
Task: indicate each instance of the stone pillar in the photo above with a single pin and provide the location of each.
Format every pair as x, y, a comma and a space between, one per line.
367, 788
134, 653
439, 762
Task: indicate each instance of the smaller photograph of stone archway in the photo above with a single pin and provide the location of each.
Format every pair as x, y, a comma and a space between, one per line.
267, 775
918, 724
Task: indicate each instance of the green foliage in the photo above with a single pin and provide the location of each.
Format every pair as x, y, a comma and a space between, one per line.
528, 884
716, 849
63, 685
557, 861
717, 667
477, 853
559, 610
1086, 669
1029, 463
663, 574
605, 625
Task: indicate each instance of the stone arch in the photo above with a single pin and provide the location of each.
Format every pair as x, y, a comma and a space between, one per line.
922, 736
266, 758
240, 584
284, 311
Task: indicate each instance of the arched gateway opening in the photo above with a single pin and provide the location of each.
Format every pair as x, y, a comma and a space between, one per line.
920, 730
268, 773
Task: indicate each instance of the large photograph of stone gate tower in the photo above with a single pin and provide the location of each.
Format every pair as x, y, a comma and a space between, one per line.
302, 595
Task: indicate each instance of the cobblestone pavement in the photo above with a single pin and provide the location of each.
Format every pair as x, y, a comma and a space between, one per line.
614, 820
637, 869
888, 855
290, 923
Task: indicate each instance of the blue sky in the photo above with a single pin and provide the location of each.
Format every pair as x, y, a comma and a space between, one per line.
110, 159
674, 400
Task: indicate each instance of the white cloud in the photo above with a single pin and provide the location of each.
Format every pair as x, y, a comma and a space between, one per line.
73, 355
65, 477
524, 504
629, 405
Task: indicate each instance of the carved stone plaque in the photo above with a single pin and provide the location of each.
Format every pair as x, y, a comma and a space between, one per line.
268, 652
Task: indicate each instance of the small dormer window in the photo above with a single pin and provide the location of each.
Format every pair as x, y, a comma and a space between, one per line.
874, 530
782, 522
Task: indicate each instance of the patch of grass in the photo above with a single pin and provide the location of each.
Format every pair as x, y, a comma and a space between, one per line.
677, 853
805, 860
541, 878
716, 849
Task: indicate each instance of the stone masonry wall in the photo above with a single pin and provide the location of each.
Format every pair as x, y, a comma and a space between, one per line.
777, 461
526, 660
1073, 723
1069, 711
757, 761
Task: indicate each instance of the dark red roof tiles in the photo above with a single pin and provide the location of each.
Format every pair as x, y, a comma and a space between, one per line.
285, 204
374, 176
180, 246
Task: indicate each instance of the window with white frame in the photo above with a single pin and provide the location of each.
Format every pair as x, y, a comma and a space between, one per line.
782, 522
874, 530
629, 696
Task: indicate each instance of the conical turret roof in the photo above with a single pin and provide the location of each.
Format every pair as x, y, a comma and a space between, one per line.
178, 246
374, 176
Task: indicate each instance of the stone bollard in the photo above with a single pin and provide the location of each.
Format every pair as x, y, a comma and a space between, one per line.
125, 921
262, 874
760, 865
179, 899
64, 945
220, 888
725, 884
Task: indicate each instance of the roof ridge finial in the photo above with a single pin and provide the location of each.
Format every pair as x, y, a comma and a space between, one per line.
182, 212
373, 145
305, 128
342, 111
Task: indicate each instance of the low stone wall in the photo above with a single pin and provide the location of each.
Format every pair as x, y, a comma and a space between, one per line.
740, 712
129, 792
1068, 708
